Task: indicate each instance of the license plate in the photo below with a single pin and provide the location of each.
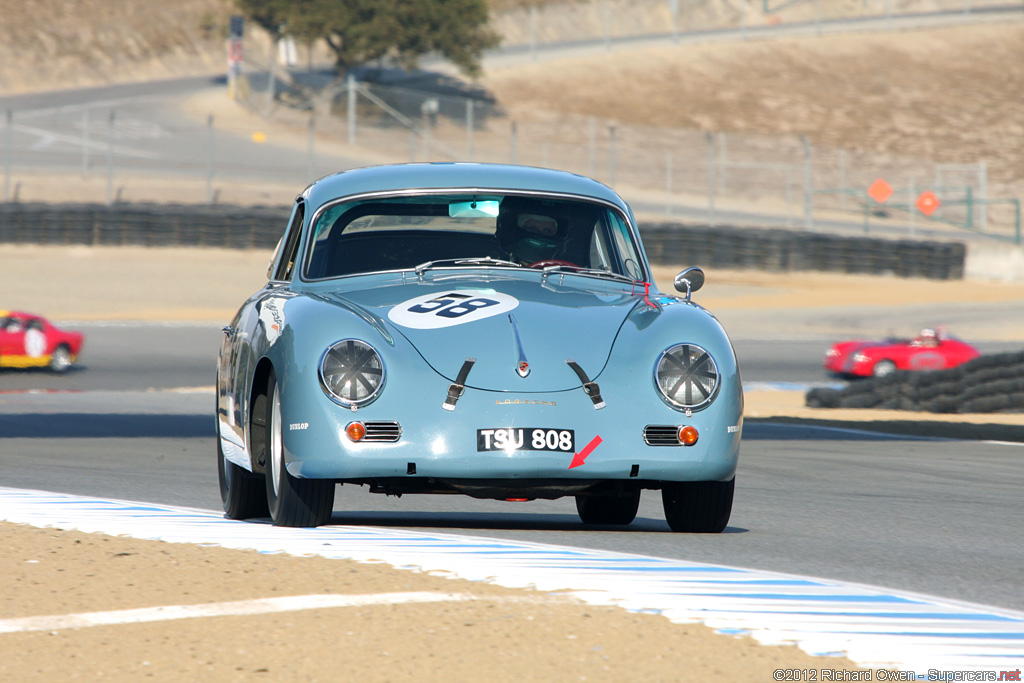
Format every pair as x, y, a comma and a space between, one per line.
526, 439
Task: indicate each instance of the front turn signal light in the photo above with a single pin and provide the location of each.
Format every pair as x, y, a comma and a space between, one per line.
688, 435
355, 431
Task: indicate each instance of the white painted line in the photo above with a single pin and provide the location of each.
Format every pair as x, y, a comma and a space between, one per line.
237, 608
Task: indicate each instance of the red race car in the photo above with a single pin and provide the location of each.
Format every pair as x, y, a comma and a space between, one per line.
29, 341
930, 350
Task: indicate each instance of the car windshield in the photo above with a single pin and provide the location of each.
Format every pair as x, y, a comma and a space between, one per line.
508, 231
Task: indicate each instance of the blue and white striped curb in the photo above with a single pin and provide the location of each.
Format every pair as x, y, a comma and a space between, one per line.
875, 627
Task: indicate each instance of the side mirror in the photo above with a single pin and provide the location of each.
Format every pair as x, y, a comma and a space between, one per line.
689, 281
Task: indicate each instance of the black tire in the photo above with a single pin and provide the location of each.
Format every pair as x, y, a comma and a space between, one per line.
242, 493
883, 368
60, 360
609, 509
698, 506
292, 502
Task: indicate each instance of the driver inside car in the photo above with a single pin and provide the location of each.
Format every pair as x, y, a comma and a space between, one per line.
527, 233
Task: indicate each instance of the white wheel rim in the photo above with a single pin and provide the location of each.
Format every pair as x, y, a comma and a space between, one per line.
61, 359
274, 429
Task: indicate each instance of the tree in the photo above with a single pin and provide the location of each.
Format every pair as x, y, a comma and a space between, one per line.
360, 31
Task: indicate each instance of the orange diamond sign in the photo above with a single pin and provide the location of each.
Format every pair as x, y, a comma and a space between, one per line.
880, 191
927, 203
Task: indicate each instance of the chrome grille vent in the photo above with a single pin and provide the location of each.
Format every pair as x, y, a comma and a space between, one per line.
383, 430
661, 435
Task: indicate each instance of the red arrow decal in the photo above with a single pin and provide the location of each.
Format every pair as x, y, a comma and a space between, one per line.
579, 458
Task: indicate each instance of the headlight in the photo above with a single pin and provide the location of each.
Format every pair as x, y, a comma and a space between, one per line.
351, 373
687, 376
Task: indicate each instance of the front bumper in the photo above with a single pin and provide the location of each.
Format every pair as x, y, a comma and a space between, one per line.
442, 444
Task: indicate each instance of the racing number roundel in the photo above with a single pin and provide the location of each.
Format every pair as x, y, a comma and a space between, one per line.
434, 311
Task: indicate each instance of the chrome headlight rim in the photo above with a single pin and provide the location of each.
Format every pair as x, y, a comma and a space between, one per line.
688, 384
351, 402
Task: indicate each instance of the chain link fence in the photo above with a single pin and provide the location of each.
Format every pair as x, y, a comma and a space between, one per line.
713, 178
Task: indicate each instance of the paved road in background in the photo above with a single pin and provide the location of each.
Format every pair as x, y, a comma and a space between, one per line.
134, 357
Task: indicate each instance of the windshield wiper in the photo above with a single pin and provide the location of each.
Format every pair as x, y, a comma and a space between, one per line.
475, 261
589, 271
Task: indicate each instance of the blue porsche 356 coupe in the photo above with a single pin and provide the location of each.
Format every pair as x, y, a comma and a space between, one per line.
479, 329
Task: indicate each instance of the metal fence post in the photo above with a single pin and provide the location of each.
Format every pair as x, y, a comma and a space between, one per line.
842, 179
808, 183
970, 208
711, 178
8, 153
1016, 220
310, 146
350, 85
612, 161
668, 184
721, 163
911, 209
85, 142
591, 145
209, 159
110, 158
469, 129
983, 196
789, 196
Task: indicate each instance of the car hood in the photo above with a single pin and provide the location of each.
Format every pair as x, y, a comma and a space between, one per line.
499, 322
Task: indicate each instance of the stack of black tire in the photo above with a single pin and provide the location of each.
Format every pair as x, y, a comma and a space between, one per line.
784, 250
143, 224
992, 383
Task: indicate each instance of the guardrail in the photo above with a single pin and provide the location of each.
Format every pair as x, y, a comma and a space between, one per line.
260, 227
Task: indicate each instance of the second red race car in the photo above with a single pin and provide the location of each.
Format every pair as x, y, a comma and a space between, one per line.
930, 350
30, 341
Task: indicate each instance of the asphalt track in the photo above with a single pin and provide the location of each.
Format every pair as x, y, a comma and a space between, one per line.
939, 517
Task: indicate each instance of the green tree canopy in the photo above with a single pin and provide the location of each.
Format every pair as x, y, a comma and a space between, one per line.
359, 31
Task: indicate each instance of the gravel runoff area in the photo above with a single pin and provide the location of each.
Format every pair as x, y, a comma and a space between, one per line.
502, 634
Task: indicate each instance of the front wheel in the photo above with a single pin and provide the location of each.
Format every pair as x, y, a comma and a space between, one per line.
611, 509
883, 368
698, 506
292, 501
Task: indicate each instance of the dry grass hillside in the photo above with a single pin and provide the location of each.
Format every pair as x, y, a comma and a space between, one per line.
947, 95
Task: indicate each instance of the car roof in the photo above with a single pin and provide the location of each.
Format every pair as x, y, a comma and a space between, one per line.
457, 175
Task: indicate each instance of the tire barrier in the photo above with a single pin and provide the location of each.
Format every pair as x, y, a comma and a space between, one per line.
784, 250
143, 224
992, 383
666, 243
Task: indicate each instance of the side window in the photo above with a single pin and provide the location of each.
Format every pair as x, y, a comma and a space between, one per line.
599, 250
289, 246
624, 246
